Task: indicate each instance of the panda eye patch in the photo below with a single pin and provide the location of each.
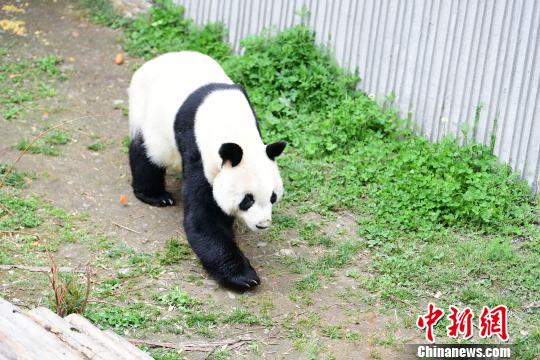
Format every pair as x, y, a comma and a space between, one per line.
273, 198
247, 202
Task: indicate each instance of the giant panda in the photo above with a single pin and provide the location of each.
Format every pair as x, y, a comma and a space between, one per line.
185, 112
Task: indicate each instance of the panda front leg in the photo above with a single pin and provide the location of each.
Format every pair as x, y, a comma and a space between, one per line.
148, 178
210, 233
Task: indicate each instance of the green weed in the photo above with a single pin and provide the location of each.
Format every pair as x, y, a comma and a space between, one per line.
220, 355
46, 145
240, 316
287, 75
23, 82
175, 252
124, 146
10, 177
165, 29
178, 298
162, 354
107, 287
17, 212
69, 295
103, 12
121, 318
96, 146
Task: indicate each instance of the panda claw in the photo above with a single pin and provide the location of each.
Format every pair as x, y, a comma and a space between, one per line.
160, 200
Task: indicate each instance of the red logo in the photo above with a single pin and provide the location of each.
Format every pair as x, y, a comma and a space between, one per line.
429, 320
493, 322
460, 323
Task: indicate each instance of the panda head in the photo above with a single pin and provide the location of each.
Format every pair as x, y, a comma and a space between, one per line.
248, 184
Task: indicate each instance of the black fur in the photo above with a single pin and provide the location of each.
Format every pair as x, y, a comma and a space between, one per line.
209, 230
148, 178
231, 152
275, 149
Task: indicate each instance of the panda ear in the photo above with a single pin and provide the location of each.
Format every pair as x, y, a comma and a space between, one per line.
275, 149
231, 152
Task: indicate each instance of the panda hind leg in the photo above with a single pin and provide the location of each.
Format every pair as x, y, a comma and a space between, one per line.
148, 178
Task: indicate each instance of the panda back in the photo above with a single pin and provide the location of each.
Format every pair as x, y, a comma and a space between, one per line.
158, 89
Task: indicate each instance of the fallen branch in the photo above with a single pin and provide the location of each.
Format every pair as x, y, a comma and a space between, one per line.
195, 346
44, 269
125, 227
20, 232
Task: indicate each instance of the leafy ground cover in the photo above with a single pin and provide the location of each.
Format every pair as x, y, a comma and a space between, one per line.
376, 220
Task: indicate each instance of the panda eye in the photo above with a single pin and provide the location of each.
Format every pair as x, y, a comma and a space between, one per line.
247, 202
273, 198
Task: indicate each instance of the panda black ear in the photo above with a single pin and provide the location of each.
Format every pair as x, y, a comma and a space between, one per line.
231, 152
275, 149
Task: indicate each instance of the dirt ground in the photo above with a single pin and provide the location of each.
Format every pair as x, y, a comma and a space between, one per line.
90, 101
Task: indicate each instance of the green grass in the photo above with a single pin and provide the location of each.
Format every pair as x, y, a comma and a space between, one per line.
165, 29
175, 252
124, 146
18, 212
241, 316
181, 299
48, 145
11, 177
103, 12
23, 82
96, 146
121, 318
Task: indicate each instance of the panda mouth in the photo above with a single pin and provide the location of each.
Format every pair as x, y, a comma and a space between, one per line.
261, 227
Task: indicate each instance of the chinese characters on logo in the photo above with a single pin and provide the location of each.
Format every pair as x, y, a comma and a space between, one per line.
491, 322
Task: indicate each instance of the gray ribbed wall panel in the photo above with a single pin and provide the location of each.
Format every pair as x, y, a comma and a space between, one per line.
443, 59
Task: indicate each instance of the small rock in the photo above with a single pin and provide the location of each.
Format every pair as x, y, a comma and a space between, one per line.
266, 331
231, 295
261, 244
287, 252
123, 271
438, 295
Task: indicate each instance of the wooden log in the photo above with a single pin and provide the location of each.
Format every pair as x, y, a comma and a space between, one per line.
22, 338
201, 346
137, 353
88, 329
72, 336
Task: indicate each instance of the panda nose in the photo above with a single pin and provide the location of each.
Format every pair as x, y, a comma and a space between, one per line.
263, 224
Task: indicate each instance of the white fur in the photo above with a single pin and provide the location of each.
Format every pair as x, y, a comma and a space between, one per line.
157, 91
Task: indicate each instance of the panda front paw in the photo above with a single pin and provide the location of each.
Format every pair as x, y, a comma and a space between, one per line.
246, 278
161, 200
